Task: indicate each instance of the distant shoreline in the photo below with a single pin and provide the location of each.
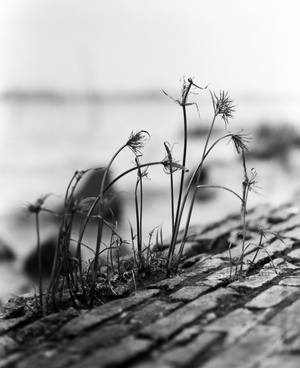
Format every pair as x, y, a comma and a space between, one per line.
71, 97
95, 97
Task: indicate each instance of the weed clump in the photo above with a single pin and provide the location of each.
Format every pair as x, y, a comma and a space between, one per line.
107, 274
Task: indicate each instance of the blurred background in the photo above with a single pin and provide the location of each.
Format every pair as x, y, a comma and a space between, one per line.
76, 77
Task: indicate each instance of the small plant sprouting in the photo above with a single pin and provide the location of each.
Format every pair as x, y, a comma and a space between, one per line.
85, 282
36, 208
263, 234
257, 248
138, 195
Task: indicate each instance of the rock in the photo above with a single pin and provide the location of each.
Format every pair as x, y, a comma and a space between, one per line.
274, 141
6, 254
203, 194
31, 262
13, 281
90, 187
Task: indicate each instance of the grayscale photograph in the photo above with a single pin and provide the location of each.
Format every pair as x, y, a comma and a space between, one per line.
149, 184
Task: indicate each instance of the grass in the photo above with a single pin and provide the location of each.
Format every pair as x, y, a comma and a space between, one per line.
85, 283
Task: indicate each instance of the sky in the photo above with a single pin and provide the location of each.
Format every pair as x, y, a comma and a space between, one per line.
247, 47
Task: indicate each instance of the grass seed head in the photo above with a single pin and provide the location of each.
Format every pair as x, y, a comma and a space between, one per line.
241, 142
223, 106
137, 141
38, 205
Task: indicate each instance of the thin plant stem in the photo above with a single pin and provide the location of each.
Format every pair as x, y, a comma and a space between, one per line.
68, 203
39, 251
183, 203
89, 214
186, 228
139, 215
100, 220
172, 200
220, 187
169, 154
222, 107
100, 224
148, 164
244, 207
135, 144
180, 193
198, 168
230, 258
140, 240
111, 262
